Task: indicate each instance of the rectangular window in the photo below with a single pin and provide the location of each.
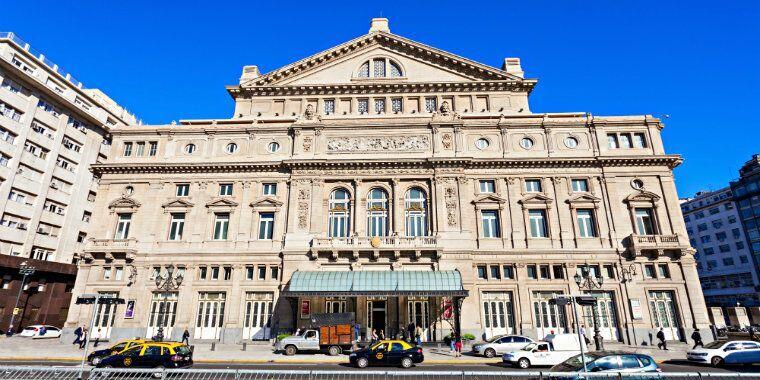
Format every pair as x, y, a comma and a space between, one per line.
645, 221
122, 227
262, 272
397, 105
363, 106
249, 272
127, 149
558, 272
221, 226
266, 225
728, 261
274, 273
227, 273
609, 271
533, 185
543, 270
709, 251
118, 273
202, 273
487, 186
495, 272
537, 223
140, 148
625, 140
225, 189
431, 105
649, 271
482, 272
107, 273
183, 190
612, 141
714, 210
532, 274
508, 271
639, 141
177, 226
214, 273
153, 148
329, 106
724, 248
580, 185
739, 245
379, 105
743, 259
663, 271
269, 189
490, 224
736, 233
586, 223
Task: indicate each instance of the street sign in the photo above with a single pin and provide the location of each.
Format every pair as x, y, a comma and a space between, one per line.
585, 300
101, 301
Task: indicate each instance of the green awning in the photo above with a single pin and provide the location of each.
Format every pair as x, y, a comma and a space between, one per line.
375, 283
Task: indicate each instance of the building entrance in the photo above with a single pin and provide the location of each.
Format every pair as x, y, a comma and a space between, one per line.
376, 317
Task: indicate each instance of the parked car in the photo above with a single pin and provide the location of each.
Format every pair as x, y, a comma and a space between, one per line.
552, 350
96, 356
41, 331
500, 344
387, 352
609, 361
722, 352
151, 355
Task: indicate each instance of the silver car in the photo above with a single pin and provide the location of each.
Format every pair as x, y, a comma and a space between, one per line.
609, 361
501, 344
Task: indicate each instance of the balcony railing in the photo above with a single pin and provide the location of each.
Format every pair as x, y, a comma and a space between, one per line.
379, 242
111, 245
658, 243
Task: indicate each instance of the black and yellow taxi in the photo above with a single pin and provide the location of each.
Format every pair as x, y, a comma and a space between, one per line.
151, 355
96, 356
387, 352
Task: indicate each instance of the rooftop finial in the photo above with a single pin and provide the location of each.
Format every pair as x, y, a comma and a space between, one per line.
379, 24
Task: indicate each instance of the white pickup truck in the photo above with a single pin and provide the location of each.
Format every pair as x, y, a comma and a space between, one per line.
553, 349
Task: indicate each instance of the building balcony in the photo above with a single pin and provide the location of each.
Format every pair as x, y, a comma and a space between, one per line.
394, 244
656, 244
107, 247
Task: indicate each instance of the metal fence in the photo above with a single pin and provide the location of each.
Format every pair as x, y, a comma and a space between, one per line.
72, 373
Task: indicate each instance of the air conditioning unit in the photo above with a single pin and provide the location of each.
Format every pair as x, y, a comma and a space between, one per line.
53, 185
42, 231
21, 226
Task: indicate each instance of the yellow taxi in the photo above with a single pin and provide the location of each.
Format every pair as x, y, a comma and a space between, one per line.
96, 356
151, 355
387, 352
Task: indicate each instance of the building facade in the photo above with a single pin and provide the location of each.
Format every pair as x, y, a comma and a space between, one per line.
746, 192
724, 259
399, 182
51, 129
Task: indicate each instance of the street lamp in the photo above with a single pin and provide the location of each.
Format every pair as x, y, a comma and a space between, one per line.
26, 271
166, 283
586, 280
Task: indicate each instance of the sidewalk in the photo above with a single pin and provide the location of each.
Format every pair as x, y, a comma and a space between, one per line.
25, 349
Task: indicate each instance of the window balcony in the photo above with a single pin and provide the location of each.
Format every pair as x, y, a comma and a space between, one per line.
656, 244
395, 245
107, 247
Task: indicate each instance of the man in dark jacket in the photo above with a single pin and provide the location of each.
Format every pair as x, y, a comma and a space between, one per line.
697, 338
78, 333
661, 337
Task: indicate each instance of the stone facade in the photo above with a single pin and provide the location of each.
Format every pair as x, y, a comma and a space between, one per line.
383, 154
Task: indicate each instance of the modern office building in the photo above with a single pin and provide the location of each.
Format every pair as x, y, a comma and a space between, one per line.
51, 129
402, 183
724, 259
746, 192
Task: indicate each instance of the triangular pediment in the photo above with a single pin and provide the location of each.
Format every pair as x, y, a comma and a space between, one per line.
583, 198
643, 196
489, 198
266, 202
124, 202
221, 202
418, 62
536, 198
177, 203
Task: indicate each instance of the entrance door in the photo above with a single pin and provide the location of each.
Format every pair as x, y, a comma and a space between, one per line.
606, 316
258, 316
548, 317
664, 313
498, 317
375, 317
104, 317
210, 316
163, 310
419, 314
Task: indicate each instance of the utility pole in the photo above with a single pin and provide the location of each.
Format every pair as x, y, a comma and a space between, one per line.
26, 271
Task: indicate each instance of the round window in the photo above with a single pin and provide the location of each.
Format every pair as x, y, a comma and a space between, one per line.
129, 190
231, 148
482, 143
273, 147
637, 184
189, 148
526, 143
571, 142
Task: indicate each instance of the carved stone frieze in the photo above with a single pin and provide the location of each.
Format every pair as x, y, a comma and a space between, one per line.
450, 195
307, 141
378, 143
447, 141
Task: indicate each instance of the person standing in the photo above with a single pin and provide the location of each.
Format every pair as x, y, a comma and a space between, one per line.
458, 347
663, 345
373, 337
78, 334
186, 337
410, 331
418, 335
356, 332
83, 340
97, 338
382, 334
697, 337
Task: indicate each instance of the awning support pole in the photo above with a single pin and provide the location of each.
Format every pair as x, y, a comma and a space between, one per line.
457, 317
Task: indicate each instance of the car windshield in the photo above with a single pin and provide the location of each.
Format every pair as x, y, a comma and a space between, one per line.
529, 347
715, 344
132, 350
493, 338
119, 347
182, 350
576, 362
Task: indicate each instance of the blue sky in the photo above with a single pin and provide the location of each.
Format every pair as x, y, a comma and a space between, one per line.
698, 62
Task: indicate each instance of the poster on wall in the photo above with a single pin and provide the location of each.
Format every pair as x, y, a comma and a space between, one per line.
305, 309
129, 312
636, 309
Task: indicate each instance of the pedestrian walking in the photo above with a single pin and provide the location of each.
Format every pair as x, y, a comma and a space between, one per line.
410, 332
382, 334
356, 332
697, 338
453, 344
373, 336
83, 340
663, 345
418, 335
583, 333
78, 334
186, 337
97, 338
458, 347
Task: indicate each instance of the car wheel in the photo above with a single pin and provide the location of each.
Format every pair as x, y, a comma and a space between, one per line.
407, 363
716, 361
290, 350
362, 362
159, 374
95, 361
334, 350
523, 363
489, 352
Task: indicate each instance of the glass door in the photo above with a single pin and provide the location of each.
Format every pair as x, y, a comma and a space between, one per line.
549, 318
257, 323
606, 316
163, 311
104, 318
418, 311
664, 313
210, 315
497, 313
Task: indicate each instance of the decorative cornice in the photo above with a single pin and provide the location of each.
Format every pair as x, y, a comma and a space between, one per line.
382, 88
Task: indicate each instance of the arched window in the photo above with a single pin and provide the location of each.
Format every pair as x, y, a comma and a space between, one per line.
339, 211
377, 213
380, 68
415, 208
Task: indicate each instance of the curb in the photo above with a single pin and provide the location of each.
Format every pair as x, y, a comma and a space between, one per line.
249, 361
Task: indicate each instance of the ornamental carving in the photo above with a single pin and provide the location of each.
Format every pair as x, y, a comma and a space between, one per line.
353, 172
303, 194
451, 206
307, 144
447, 141
374, 144
303, 215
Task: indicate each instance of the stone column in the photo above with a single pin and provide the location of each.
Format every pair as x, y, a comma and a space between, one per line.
516, 212
398, 205
359, 210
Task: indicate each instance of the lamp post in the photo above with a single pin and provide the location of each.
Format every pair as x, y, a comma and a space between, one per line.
164, 284
586, 280
26, 271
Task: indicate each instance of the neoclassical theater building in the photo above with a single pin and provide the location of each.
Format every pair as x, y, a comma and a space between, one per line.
402, 183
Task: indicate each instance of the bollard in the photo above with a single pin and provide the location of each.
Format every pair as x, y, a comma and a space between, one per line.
245, 344
213, 346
